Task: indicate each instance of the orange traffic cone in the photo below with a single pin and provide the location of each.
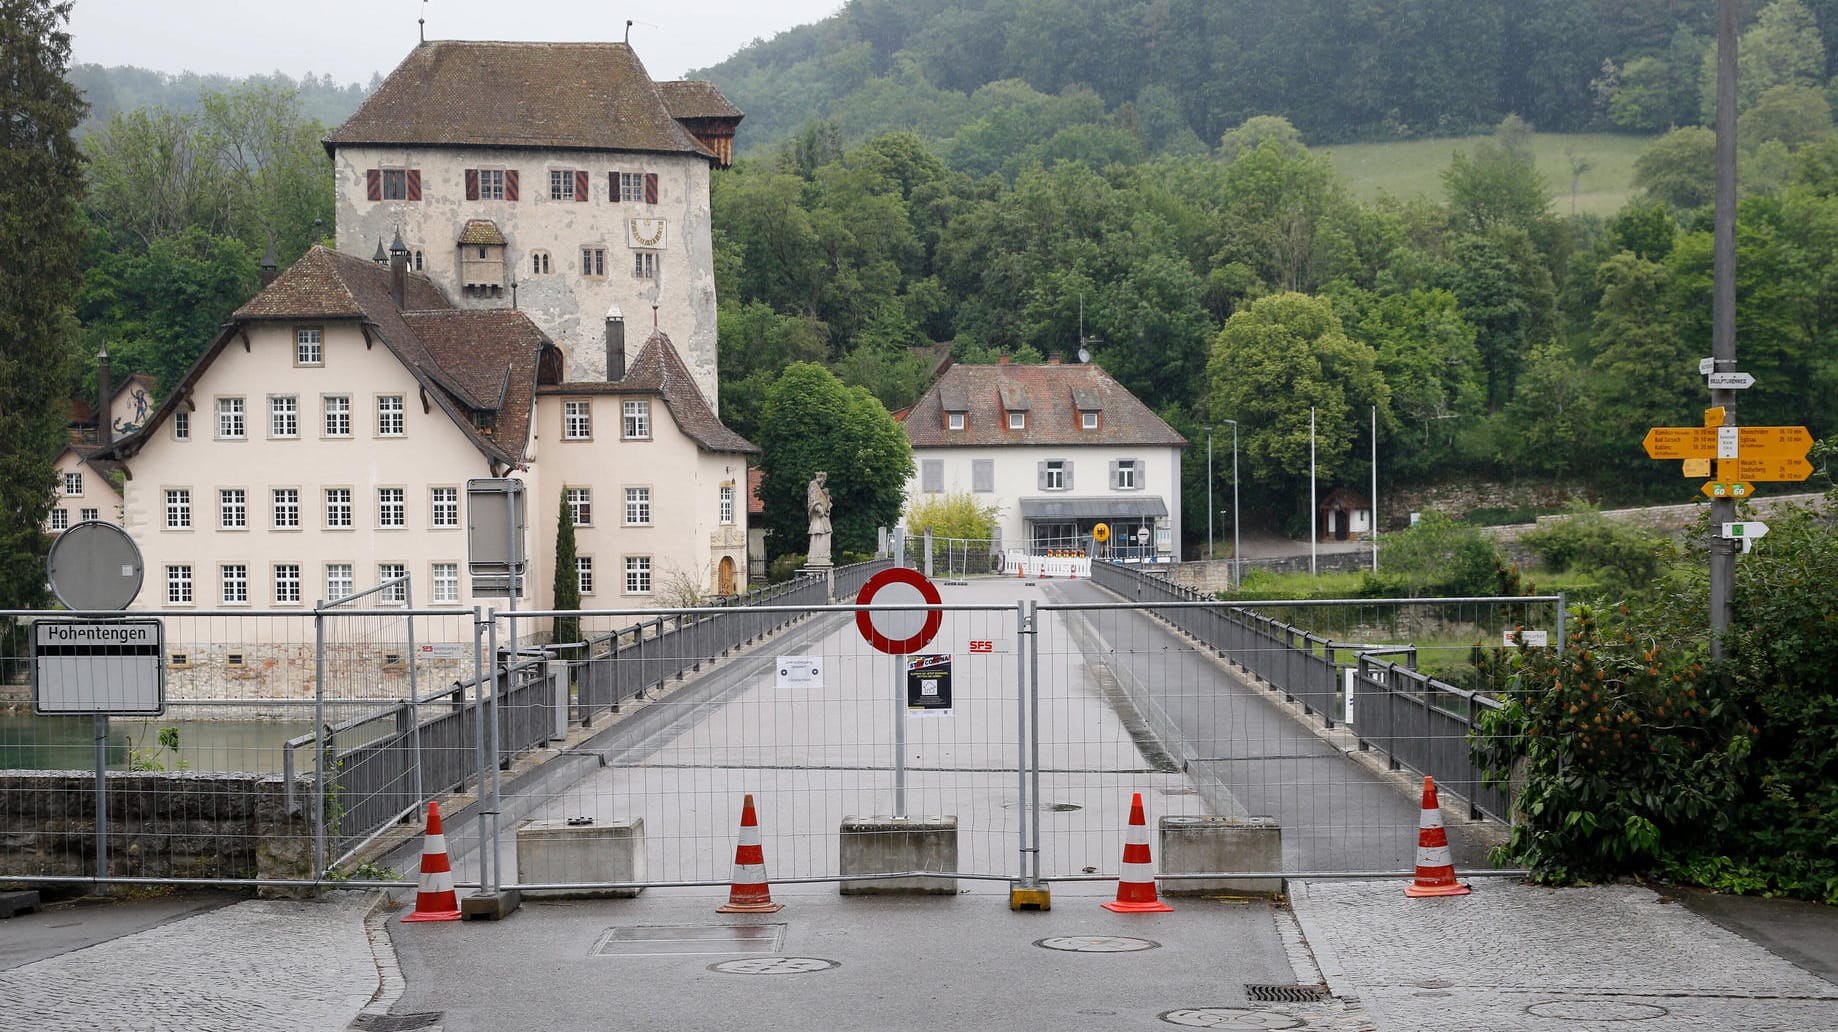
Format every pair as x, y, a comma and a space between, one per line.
1136, 889
434, 896
749, 894
1435, 866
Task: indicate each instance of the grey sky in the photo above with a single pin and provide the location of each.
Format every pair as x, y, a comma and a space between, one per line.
350, 39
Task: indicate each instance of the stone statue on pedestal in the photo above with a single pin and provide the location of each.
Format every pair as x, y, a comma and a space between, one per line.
817, 507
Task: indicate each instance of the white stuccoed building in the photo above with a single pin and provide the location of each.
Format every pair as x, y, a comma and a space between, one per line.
556, 178
1056, 450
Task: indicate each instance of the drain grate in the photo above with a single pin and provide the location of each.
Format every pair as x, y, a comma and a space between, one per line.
396, 1022
1238, 1019
1285, 993
688, 940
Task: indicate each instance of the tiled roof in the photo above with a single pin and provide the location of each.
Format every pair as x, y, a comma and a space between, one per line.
478, 366
659, 370
592, 96
1047, 392
696, 98
481, 231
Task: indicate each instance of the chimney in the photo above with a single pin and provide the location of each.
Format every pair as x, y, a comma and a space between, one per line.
615, 345
268, 266
1053, 359
105, 420
1002, 359
398, 271
382, 256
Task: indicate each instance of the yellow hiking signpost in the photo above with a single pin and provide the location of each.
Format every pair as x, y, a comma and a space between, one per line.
1743, 454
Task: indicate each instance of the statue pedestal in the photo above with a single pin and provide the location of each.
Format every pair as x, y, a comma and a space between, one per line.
826, 573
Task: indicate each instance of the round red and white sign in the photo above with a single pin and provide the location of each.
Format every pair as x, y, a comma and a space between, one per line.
898, 632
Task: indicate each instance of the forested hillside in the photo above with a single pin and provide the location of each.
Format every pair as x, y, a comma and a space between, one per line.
1185, 71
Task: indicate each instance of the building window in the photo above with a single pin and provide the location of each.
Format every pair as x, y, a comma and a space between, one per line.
287, 583
178, 585
491, 184
1088, 420
1017, 420
235, 580
181, 425
982, 475
309, 346
584, 574
446, 582
390, 415
178, 509
60, 520
539, 262
577, 421
230, 426
593, 261
392, 508
637, 506
418, 260
90, 514
338, 581
73, 484
283, 416
931, 475
392, 184
637, 420
232, 509
638, 575
644, 264
1126, 475
443, 503
397, 593
561, 184
581, 502
954, 420
337, 415
1055, 477
634, 187
726, 507
286, 508
338, 508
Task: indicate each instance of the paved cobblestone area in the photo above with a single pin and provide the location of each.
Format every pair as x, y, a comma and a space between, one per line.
1513, 956
258, 965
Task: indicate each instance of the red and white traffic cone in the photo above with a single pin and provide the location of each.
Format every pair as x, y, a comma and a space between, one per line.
435, 899
1136, 888
1435, 864
749, 893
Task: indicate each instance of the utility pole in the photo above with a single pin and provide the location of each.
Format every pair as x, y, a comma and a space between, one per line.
1237, 553
1209, 494
1723, 314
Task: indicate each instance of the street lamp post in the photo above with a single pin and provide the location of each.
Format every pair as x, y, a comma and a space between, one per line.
1237, 554
1209, 494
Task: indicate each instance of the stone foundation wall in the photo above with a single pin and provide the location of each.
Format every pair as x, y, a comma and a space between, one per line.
182, 824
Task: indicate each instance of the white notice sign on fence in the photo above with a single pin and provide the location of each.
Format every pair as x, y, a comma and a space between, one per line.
800, 672
1535, 639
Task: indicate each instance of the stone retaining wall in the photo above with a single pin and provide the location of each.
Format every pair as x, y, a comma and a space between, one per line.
181, 824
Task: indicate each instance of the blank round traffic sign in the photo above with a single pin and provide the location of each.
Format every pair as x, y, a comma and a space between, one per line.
904, 631
94, 566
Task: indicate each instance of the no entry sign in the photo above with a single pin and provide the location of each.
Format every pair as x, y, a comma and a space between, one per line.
898, 632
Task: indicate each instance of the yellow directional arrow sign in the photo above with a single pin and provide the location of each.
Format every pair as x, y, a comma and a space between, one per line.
1718, 489
1681, 442
1773, 442
1767, 468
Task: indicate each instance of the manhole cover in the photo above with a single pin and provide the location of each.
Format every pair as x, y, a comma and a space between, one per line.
773, 966
1596, 1010
1229, 1017
395, 1022
1096, 944
688, 940
1285, 993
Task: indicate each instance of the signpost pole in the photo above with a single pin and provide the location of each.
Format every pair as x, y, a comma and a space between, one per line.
1723, 312
899, 738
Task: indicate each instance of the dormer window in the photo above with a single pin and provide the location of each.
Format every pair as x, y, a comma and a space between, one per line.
954, 420
1017, 420
1088, 421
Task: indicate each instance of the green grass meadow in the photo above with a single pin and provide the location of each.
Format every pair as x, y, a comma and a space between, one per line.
1413, 168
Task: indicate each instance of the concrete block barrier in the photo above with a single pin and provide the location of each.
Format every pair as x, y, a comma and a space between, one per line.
555, 851
1199, 845
883, 845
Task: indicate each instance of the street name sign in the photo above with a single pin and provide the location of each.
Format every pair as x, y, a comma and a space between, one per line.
1731, 381
1706, 366
106, 667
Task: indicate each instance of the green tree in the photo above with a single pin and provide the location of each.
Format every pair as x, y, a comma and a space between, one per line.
1427, 356
567, 584
1272, 363
1782, 48
1680, 168
278, 175
40, 238
1499, 183
1645, 367
812, 422
1660, 91
1791, 115
1438, 556
958, 516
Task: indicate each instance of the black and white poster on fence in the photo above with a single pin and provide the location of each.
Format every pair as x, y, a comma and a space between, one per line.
928, 685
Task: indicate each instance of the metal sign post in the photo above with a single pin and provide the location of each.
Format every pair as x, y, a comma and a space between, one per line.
899, 632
